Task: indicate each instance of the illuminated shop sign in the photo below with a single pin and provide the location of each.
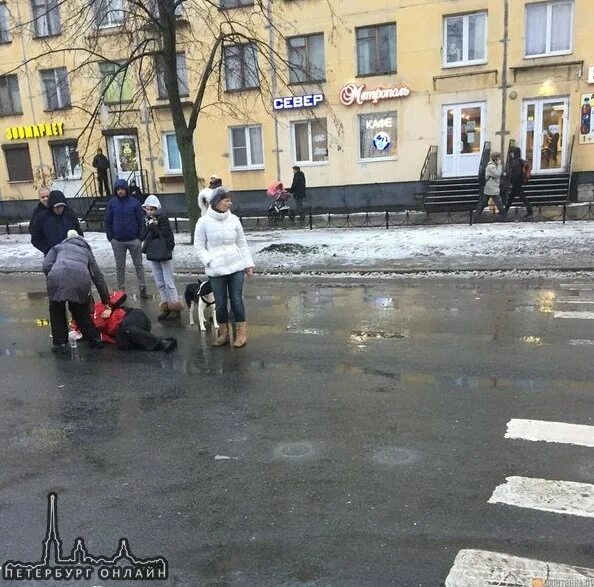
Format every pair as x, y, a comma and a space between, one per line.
292, 102
35, 131
354, 94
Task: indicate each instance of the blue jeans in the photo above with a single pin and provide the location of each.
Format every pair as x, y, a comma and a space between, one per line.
233, 284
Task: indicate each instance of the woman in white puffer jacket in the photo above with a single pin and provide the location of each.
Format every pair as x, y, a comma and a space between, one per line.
222, 248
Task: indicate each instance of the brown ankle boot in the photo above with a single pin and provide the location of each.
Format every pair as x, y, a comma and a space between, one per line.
174, 311
223, 337
240, 335
164, 307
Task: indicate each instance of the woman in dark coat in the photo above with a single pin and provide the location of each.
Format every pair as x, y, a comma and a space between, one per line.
71, 268
51, 226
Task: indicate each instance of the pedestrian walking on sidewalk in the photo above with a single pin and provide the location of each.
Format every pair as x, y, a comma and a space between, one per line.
124, 223
158, 244
51, 226
298, 190
519, 174
222, 248
101, 164
70, 268
492, 188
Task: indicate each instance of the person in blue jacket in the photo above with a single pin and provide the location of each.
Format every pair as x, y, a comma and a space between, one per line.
124, 222
51, 226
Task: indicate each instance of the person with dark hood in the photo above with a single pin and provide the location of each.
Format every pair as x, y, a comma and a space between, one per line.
51, 226
124, 223
41, 207
127, 328
298, 189
135, 191
518, 179
101, 164
70, 268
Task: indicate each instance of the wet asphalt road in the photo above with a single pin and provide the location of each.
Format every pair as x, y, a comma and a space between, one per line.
364, 424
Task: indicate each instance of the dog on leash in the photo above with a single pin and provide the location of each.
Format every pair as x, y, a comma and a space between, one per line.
200, 295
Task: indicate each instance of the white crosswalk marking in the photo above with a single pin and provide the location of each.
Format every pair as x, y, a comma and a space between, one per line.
539, 430
561, 497
581, 342
480, 568
574, 315
575, 301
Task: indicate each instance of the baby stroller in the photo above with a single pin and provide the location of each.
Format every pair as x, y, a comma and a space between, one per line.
279, 207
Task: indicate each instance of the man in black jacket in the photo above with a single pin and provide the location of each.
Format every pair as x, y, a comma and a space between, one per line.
298, 189
517, 179
41, 207
51, 226
101, 164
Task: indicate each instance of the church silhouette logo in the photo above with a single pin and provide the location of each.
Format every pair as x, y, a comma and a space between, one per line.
81, 564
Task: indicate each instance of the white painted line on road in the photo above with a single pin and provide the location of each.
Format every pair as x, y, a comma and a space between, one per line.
539, 430
481, 568
561, 497
575, 301
575, 315
581, 286
581, 342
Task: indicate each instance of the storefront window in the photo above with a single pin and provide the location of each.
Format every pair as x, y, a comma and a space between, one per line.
66, 161
549, 28
377, 135
310, 139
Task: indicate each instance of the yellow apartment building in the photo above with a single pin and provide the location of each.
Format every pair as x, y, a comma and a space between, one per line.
355, 93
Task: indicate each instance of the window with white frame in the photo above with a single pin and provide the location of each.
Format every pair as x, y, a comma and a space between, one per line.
241, 67
465, 39
109, 13
246, 147
549, 28
5, 36
66, 161
117, 84
182, 76
377, 135
224, 4
46, 18
306, 58
310, 141
173, 162
56, 91
10, 97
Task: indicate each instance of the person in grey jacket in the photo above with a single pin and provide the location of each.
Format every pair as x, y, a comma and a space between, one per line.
493, 174
70, 268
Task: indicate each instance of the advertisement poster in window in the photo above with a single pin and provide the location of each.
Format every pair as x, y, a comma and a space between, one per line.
586, 122
377, 135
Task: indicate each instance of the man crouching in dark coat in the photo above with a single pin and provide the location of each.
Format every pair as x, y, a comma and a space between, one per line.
71, 268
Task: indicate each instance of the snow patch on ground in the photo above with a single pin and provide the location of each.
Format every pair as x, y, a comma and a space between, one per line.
525, 246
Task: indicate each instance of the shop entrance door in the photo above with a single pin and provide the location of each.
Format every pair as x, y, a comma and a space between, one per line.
462, 136
544, 136
125, 158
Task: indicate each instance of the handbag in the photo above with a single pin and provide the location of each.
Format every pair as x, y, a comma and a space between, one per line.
156, 249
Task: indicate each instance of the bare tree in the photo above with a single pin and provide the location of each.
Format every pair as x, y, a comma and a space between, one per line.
115, 50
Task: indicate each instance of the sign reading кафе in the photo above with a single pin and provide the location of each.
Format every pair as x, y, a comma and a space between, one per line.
35, 131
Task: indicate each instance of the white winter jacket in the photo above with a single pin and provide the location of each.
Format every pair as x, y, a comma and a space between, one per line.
221, 244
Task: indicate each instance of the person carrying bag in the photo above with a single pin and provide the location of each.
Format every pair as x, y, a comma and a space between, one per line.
158, 244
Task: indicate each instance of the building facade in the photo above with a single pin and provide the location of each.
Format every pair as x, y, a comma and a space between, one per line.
354, 95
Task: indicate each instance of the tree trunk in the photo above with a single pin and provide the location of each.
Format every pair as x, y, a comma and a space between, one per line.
188, 158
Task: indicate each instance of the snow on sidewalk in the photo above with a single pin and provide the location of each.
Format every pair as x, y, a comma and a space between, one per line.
490, 246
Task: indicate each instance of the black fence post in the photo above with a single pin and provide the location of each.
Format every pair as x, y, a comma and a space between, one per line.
564, 212
471, 219
176, 225
7, 227
387, 220
310, 221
